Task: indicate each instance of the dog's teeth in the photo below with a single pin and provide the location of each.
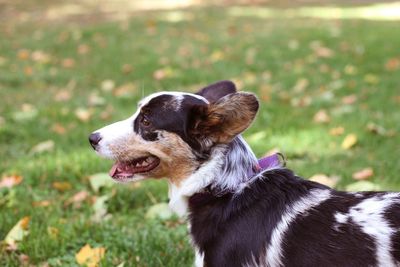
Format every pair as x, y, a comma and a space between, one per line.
149, 160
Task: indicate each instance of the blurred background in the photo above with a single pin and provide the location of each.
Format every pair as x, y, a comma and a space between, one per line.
327, 74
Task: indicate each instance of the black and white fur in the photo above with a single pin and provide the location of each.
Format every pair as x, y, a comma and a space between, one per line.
239, 217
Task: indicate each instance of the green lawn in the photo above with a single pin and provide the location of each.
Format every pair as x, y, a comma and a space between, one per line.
53, 86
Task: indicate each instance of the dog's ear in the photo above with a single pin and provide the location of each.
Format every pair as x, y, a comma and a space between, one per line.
223, 120
215, 91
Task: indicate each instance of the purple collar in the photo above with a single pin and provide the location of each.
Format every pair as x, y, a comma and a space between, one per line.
269, 162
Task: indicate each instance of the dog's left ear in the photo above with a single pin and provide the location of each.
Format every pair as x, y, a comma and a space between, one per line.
217, 90
226, 118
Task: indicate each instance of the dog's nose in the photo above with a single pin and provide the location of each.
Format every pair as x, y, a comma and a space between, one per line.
94, 139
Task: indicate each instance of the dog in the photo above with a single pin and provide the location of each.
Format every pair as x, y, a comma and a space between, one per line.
241, 214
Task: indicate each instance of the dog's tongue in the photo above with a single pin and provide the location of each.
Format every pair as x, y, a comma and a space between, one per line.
120, 169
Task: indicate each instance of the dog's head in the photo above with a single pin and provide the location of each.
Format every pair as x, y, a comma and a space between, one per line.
173, 133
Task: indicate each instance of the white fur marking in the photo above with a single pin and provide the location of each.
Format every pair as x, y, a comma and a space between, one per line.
195, 182
369, 215
306, 203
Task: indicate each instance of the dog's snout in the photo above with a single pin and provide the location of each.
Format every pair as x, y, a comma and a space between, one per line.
94, 139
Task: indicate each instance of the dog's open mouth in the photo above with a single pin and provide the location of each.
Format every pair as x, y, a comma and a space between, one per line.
123, 170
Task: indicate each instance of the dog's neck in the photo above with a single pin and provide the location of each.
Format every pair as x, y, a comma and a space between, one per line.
229, 169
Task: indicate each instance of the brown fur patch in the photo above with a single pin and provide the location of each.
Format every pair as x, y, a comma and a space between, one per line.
226, 118
177, 161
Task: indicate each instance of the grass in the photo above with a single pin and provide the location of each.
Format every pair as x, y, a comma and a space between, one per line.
296, 66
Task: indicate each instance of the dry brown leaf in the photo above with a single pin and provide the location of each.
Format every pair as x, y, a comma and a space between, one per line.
300, 85
58, 128
349, 141
23, 54
336, 131
126, 90
324, 179
350, 99
83, 49
126, 68
393, 64
44, 146
68, 63
62, 96
28, 70
322, 117
83, 114
62, 186
90, 257
42, 203
40, 57
363, 174
324, 52
10, 181
77, 199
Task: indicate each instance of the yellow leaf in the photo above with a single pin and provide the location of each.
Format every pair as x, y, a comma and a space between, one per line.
18, 232
349, 141
90, 256
62, 186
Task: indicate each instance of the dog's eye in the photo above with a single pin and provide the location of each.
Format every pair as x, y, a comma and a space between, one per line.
145, 121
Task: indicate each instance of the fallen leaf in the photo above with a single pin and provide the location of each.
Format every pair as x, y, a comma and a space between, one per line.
350, 99
100, 209
63, 96
376, 129
96, 100
300, 85
83, 49
58, 128
324, 179
77, 199
40, 57
371, 79
10, 181
321, 117
336, 131
90, 257
392, 64
68, 63
83, 114
126, 68
100, 180
42, 203
350, 70
23, 54
53, 232
107, 85
160, 210
363, 174
23, 259
44, 146
28, 112
324, 52
127, 90
363, 186
28, 70
18, 232
62, 186
349, 141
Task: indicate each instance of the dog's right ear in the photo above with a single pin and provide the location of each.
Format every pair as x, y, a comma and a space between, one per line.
216, 91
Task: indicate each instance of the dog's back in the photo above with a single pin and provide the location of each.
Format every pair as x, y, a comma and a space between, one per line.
283, 220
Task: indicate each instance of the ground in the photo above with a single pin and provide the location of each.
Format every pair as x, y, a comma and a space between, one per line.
327, 80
